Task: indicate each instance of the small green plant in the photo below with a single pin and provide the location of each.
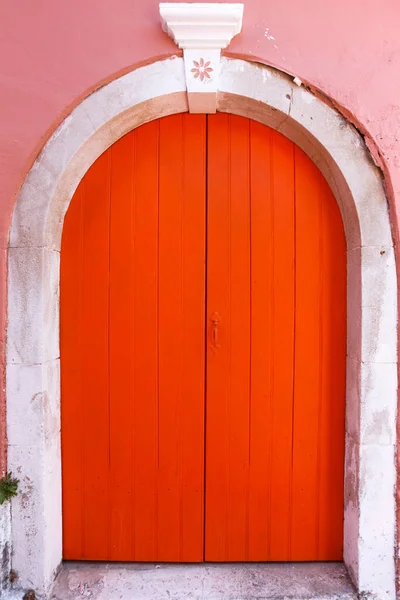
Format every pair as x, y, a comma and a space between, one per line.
8, 487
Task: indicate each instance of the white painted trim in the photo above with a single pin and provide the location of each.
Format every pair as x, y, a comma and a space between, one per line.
202, 30
33, 390
201, 25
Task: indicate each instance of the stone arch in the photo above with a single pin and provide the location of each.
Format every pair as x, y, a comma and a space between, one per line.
33, 385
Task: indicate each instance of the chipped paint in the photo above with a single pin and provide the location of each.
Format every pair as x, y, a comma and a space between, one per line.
268, 35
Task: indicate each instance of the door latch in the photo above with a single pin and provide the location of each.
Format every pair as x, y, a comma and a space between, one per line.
215, 319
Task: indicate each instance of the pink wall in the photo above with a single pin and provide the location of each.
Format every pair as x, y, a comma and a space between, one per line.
52, 54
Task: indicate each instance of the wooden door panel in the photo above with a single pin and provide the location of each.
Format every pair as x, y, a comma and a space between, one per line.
132, 349
134, 400
272, 458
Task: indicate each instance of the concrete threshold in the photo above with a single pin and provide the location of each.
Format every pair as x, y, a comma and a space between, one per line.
207, 581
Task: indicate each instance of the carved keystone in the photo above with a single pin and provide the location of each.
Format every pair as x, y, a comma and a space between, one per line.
202, 31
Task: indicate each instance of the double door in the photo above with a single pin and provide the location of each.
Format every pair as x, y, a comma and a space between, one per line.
203, 301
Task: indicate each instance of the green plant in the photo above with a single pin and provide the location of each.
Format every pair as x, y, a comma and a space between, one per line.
8, 487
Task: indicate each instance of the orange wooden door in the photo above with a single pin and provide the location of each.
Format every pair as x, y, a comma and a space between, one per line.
132, 349
139, 384
276, 314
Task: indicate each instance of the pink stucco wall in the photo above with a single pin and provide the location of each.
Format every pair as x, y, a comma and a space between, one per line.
52, 54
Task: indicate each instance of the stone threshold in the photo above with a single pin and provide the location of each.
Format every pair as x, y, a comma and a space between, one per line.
207, 581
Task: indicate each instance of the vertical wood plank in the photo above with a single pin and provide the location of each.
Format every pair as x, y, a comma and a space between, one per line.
272, 256
283, 325
71, 277
307, 382
217, 500
95, 361
122, 345
228, 367
262, 316
145, 358
193, 330
333, 378
240, 342
181, 337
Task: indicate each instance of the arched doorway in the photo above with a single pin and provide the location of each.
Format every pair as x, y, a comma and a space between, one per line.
147, 93
203, 347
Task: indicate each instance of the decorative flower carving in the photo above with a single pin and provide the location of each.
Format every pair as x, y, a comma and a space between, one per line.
202, 69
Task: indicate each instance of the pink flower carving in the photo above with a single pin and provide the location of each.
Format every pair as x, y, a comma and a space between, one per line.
202, 69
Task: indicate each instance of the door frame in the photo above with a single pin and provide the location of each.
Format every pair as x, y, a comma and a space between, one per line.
33, 387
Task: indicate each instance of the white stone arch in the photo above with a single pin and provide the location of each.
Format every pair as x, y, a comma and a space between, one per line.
33, 389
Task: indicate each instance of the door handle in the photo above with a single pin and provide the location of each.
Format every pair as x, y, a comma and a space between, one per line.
215, 319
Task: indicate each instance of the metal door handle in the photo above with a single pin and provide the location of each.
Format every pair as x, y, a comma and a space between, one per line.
215, 319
